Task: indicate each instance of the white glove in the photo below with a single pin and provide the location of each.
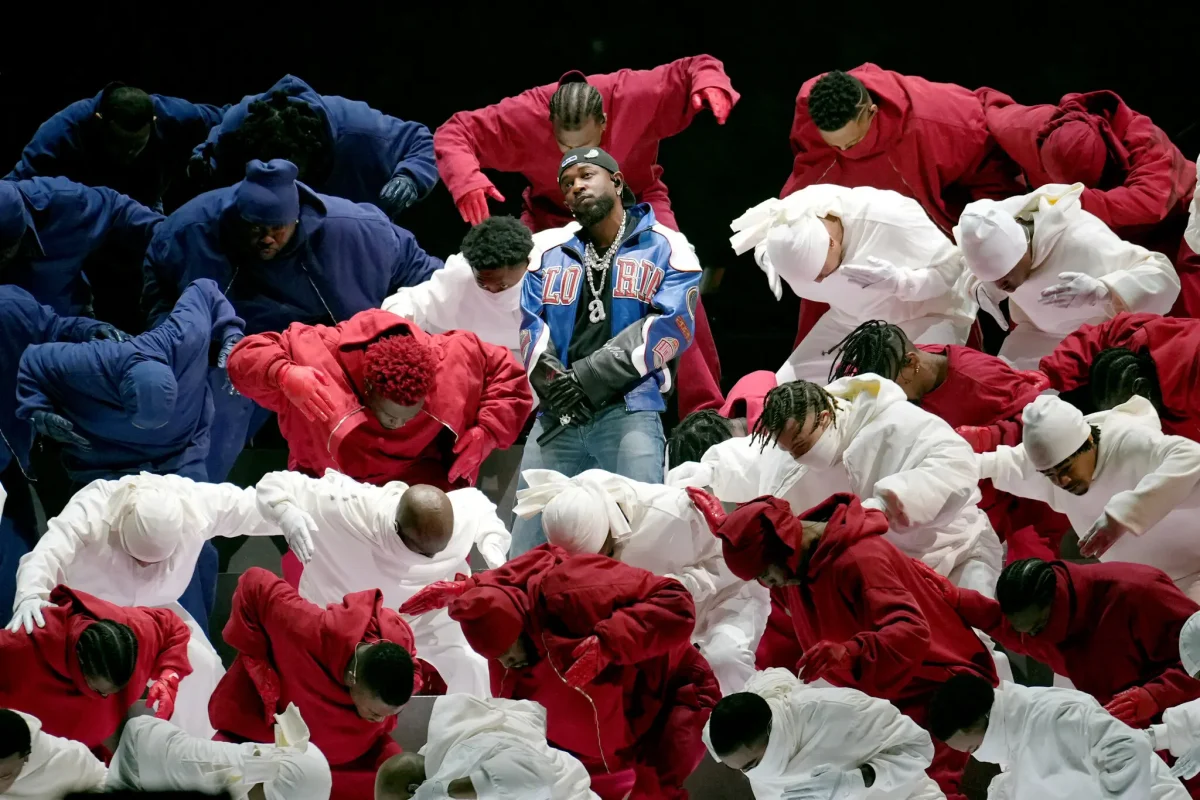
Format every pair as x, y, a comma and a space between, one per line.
1187, 767
28, 612
879, 273
827, 783
991, 305
298, 528
491, 550
1075, 289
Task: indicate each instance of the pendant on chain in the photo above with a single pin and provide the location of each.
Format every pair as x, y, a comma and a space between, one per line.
596, 310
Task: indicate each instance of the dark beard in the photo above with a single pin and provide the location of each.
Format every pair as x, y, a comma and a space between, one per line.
596, 212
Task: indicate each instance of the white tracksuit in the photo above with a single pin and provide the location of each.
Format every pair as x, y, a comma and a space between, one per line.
1068, 239
79, 549
1144, 479
357, 547
56, 767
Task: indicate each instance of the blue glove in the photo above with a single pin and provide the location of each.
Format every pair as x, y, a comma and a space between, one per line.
223, 359
60, 429
399, 193
107, 332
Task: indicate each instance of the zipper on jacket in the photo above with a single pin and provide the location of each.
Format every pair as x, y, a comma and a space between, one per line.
313, 284
588, 697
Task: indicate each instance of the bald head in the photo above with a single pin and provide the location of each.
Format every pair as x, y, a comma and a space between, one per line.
399, 777
425, 520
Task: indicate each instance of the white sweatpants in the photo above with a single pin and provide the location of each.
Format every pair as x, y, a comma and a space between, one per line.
440, 641
191, 701
808, 361
980, 571
728, 629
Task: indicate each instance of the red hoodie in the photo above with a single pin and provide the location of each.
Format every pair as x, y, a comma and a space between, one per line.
647, 709
477, 384
41, 674
1173, 343
306, 649
1112, 627
747, 397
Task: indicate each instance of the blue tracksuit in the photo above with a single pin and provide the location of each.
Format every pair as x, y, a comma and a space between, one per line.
23, 322
366, 148
82, 383
67, 223
69, 145
344, 258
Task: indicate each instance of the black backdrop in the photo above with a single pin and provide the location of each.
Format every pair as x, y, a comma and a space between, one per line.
427, 62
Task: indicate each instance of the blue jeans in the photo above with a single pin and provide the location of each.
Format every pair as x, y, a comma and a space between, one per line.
628, 443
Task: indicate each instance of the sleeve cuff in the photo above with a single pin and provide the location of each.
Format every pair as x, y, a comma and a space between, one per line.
1161, 736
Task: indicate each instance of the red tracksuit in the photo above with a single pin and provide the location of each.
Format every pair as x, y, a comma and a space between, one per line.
747, 397
40, 673
305, 650
891, 612
643, 107
928, 141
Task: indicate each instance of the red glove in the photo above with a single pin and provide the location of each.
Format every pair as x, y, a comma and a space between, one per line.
1135, 707
591, 657
471, 448
1040, 378
709, 506
717, 99
982, 438
823, 657
266, 681
473, 205
438, 594
308, 389
163, 693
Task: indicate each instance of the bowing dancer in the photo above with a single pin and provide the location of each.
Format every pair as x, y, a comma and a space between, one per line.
36, 765
606, 649
627, 113
868, 254
379, 400
343, 147
1138, 182
700, 430
1144, 354
1129, 490
91, 662
156, 756
494, 749
136, 542
283, 254
400, 538
847, 606
795, 741
1059, 266
1179, 731
1112, 629
656, 528
349, 665
1049, 743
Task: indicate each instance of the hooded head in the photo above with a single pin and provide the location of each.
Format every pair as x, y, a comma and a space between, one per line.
583, 517
400, 373
148, 520
1073, 149
300, 776
1061, 444
148, 394
993, 243
268, 195
806, 250
492, 619
761, 540
1189, 645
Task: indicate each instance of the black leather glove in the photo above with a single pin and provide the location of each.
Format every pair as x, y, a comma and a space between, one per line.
567, 399
107, 332
398, 194
610, 372
60, 429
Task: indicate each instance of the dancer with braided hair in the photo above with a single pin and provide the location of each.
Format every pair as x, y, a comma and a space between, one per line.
380, 400
343, 147
627, 114
91, 662
1155, 357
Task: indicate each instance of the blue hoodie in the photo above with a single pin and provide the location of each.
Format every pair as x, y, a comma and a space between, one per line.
68, 145
66, 223
343, 258
24, 322
91, 384
368, 147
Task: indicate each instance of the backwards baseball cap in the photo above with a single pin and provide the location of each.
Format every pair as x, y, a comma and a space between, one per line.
594, 155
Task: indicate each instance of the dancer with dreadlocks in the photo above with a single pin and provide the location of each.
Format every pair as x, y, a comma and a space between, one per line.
1130, 491
700, 430
343, 147
979, 395
627, 114
1155, 357
869, 254
82, 672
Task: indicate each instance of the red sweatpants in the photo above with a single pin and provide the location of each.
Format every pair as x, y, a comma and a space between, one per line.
699, 375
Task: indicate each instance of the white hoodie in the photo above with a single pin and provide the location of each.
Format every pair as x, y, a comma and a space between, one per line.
56, 767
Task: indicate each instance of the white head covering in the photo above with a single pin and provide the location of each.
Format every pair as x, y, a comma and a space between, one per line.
799, 249
294, 769
148, 517
1054, 429
1189, 644
991, 239
578, 513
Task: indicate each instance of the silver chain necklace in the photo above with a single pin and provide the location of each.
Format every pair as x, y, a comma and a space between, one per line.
598, 263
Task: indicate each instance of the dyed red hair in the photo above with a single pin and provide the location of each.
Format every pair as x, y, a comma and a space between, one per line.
400, 369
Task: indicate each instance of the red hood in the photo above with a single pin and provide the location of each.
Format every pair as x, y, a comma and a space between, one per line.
366, 328
754, 535
888, 126
361, 617
1107, 114
80, 610
846, 524
747, 396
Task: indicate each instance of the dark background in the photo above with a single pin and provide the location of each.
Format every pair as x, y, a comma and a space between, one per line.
426, 62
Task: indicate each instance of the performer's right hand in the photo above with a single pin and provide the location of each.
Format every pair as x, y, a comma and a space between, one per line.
60, 429
298, 528
308, 390
28, 613
473, 205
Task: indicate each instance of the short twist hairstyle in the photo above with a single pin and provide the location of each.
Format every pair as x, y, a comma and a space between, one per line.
835, 100
273, 128
400, 369
387, 669
497, 242
696, 433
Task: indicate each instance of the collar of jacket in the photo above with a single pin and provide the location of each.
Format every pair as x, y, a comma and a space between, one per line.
640, 218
